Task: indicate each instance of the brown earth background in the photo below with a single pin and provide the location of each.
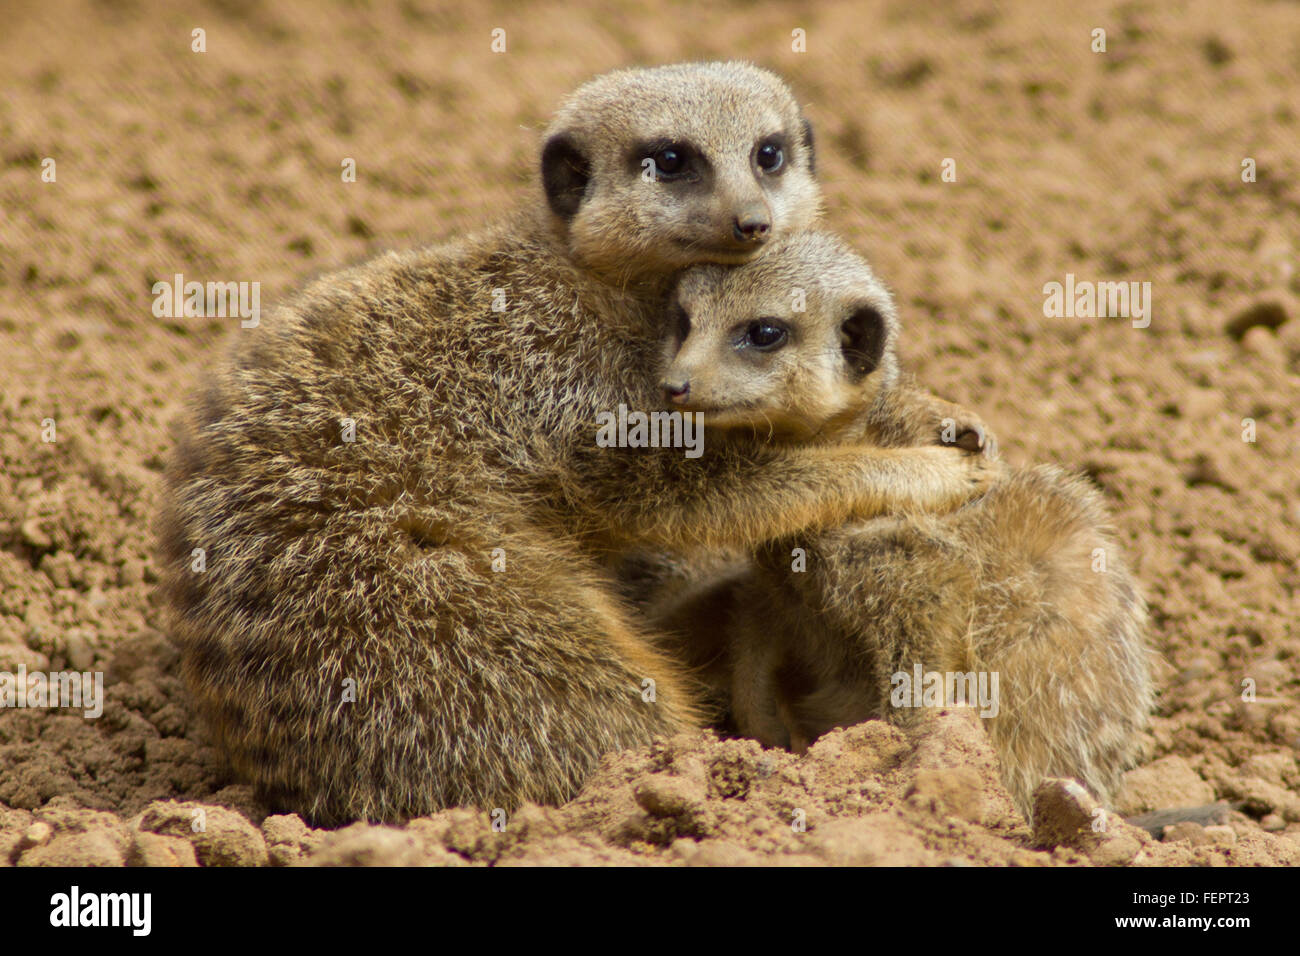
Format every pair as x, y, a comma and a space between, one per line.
225, 166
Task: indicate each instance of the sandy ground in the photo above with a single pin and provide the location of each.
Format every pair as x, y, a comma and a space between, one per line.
226, 165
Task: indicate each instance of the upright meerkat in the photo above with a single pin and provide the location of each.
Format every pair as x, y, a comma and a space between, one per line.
387, 517
1025, 582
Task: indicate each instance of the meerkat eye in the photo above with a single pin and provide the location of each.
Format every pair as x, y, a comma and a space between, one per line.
664, 160
765, 334
770, 157
670, 162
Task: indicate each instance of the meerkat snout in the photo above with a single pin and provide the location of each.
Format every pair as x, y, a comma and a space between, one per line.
677, 391
753, 224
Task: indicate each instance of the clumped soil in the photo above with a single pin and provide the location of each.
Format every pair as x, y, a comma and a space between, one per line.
225, 166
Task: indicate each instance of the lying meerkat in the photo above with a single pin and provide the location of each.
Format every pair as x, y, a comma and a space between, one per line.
387, 520
1012, 583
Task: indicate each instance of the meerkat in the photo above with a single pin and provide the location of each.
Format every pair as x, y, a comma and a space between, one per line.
388, 523
1025, 582
689, 595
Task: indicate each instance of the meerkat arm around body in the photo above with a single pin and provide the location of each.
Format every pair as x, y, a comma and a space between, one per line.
742, 493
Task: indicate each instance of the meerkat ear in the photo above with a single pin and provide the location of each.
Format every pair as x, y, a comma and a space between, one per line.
808, 145
565, 174
862, 339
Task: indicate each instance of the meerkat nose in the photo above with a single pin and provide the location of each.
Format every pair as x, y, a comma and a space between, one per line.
676, 391
752, 225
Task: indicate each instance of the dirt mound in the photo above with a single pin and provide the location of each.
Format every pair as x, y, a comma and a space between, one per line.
869, 795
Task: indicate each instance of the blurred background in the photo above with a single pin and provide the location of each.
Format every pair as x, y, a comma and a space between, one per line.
226, 165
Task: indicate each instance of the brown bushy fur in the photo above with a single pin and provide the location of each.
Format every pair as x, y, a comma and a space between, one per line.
369, 564
1007, 583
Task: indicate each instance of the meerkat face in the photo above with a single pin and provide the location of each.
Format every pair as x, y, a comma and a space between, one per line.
652, 171
791, 345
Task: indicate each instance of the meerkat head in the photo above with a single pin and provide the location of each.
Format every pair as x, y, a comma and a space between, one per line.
649, 171
795, 344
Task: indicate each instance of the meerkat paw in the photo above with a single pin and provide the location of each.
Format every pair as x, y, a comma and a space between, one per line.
965, 430
962, 476
982, 471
